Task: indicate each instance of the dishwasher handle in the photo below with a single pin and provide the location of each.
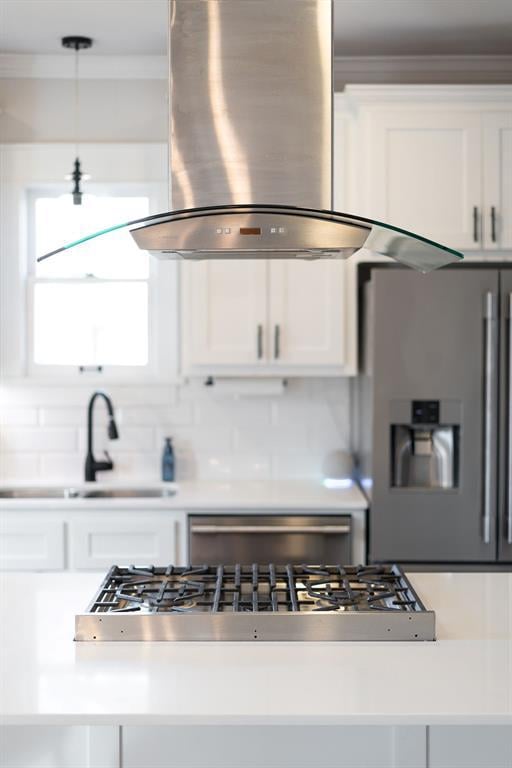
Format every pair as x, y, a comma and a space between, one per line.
324, 529
509, 419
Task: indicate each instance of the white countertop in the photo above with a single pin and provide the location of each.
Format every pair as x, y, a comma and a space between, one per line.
465, 677
249, 495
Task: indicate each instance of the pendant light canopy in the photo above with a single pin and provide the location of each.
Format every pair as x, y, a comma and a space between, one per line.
77, 43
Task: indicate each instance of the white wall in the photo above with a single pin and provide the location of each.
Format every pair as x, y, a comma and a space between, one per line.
36, 110
43, 431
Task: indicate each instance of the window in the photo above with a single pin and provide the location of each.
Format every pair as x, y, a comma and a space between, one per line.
89, 307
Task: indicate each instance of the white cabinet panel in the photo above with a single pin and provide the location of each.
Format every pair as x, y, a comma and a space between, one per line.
307, 312
424, 173
31, 542
283, 746
101, 538
225, 308
498, 181
44, 747
470, 747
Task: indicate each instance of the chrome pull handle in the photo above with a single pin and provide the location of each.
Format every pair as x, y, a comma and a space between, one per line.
509, 469
475, 224
493, 224
490, 389
277, 342
325, 529
259, 341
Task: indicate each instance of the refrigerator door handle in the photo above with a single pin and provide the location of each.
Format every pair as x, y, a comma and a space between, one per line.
509, 405
491, 354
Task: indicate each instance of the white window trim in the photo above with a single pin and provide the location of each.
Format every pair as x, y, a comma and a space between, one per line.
32, 168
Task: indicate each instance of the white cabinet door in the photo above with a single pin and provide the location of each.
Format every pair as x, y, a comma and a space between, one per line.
31, 542
424, 173
225, 312
101, 538
497, 220
467, 746
307, 312
274, 746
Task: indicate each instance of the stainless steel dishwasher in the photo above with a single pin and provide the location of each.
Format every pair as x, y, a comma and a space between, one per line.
290, 539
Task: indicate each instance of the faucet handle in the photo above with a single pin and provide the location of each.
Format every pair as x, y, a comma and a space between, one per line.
108, 457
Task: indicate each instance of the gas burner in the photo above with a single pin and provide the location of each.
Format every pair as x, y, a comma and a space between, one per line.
255, 602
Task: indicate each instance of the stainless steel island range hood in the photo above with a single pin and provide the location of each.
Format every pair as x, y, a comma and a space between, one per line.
251, 112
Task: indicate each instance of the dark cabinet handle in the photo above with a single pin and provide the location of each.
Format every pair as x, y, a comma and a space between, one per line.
475, 224
277, 341
259, 341
493, 224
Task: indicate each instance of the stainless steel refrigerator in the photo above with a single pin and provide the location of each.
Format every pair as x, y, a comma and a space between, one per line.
436, 414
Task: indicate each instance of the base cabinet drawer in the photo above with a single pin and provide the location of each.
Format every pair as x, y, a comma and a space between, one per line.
104, 538
28, 542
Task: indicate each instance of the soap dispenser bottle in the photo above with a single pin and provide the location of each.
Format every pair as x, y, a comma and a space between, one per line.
168, 463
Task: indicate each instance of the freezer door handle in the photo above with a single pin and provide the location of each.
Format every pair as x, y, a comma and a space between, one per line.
490, 405
509, 419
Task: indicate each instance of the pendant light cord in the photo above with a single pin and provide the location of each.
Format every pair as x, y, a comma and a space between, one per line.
77, 101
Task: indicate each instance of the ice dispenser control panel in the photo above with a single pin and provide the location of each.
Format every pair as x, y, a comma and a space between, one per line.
424, 447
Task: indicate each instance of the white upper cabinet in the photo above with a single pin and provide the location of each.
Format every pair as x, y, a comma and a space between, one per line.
306, 318
434, 159
225, 312
264, 318
497, 202
426, 174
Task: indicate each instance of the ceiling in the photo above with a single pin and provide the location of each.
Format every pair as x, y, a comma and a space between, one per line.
362, 27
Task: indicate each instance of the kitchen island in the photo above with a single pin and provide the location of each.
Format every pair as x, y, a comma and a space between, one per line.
154, 705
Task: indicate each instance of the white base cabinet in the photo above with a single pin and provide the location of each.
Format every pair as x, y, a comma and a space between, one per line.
256, 747
91, 539
32, 542
101, 538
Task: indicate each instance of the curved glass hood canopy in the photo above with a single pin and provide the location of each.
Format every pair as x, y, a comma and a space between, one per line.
273, 231
251, 122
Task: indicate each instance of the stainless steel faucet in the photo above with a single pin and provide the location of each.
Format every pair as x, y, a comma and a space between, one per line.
91, 465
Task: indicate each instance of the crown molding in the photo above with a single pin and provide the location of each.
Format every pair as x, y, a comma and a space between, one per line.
422, 69
347, 69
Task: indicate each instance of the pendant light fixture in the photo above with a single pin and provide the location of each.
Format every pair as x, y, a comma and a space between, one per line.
77, 43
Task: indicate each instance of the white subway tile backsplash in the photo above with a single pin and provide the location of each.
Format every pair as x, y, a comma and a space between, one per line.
26, 417
56, 466
43, 433
271, 439
233, 466
297, 466
141, 439
19, 467
198, 439
158, 415
74, 417
246, 413
26, 439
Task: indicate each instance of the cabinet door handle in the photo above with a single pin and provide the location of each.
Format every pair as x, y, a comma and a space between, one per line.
493, 224
490, 357
475, 224
277, 342
259, 341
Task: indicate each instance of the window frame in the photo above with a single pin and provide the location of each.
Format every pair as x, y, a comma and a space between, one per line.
37, 170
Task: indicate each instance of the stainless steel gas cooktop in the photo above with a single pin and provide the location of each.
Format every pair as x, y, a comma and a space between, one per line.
256, 602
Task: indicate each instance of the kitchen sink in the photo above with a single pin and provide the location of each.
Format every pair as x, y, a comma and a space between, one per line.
36, 493
127, 493
58, 492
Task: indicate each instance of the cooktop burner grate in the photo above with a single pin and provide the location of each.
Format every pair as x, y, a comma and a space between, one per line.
254, 589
